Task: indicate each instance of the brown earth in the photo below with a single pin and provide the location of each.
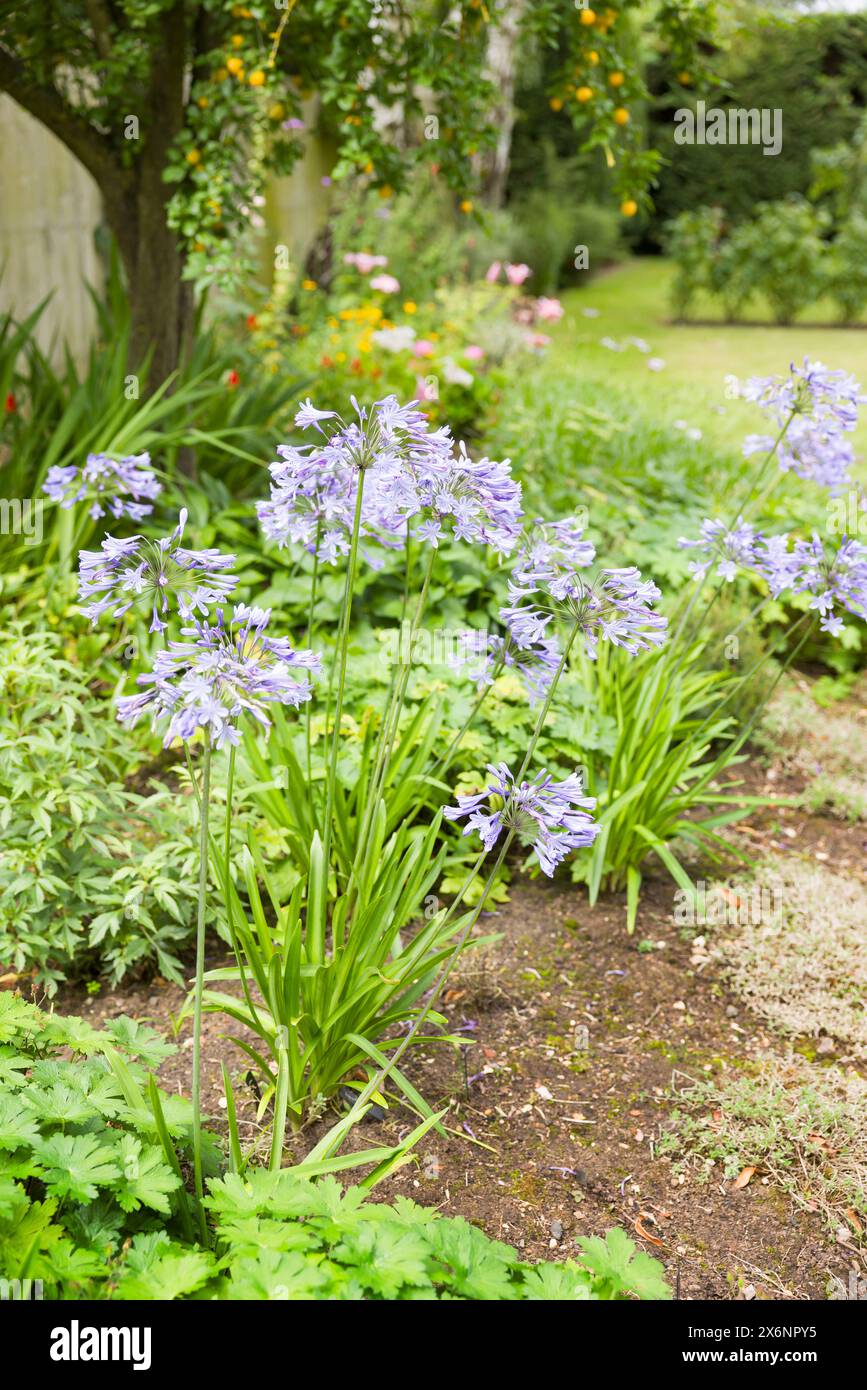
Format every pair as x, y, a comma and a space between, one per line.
575, 1038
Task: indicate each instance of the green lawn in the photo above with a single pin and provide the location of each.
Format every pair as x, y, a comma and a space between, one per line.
633, 301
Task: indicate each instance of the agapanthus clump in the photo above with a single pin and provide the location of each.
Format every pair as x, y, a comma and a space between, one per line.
113, 486
225, 671
730, 549
137, 571
542, 813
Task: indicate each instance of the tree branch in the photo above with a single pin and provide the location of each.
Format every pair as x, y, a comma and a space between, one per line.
100, 23
77, 134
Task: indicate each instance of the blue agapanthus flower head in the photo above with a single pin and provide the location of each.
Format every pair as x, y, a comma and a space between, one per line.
224, 672
729, 548
413, 478
549, 816
818, 406
137, 571
114, 486
834, 578
487, 655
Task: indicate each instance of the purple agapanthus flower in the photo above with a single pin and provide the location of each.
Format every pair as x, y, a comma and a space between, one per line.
412, 476
833, 578
731, 550
819, 406
542, 814
550, 555
136, 570
488, 654
614, 605
224, 672
113, 485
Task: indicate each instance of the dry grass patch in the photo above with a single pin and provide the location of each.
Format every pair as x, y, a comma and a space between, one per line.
801, 1126
803, 965
828, 748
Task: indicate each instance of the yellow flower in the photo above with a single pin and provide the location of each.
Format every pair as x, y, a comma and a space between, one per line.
410, 307
340, 356
193, 157
277, 111
593, 57
257, 78
466, 205
237, 40
308, 285
684, 78
386, 190
202, 103
621, 116
331, 321
235, 66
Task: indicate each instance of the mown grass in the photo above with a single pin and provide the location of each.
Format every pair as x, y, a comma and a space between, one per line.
633, 301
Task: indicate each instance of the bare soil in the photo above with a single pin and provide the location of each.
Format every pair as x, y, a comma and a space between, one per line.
575, 1038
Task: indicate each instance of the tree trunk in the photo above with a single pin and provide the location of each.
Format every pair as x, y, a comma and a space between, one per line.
501, 66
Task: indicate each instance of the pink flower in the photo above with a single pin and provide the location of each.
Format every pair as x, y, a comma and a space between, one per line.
326, 180
386, 283
363, 261
422, 347
549, 308
425, 391
517, 274
493, 271
536, 341
474, 353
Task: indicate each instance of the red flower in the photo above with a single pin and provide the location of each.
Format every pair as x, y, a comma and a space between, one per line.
11, 404
233, 379
252, 321
355, 366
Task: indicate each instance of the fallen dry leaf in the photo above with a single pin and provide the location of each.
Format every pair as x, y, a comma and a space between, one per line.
640, 1228
743, 1177
852, 1218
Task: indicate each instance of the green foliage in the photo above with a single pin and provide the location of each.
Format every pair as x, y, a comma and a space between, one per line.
846, 271
82, 1167
676, 734
779, 254
92, 1205
822, 58
93, 874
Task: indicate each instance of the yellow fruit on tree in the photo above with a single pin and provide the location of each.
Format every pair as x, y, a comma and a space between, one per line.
684, 79
616, 79
235, 66
277, 111
193, 157
593, 57
583, 93
556, 103
466, 205
621, 116
629, 207
202, 103
588, 17
237, 40
257, 78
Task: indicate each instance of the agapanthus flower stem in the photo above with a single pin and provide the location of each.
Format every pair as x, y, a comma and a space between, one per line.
345, 616
200, 988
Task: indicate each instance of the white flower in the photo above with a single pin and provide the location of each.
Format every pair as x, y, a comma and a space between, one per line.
395, 339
